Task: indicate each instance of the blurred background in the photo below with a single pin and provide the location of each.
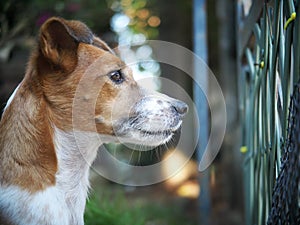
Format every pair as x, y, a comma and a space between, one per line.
214, 196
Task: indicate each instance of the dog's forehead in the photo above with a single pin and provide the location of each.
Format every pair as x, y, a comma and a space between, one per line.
90, 52
97, 57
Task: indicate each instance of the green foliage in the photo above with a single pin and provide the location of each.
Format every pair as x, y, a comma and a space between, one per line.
116, 209
112, 210
140, 13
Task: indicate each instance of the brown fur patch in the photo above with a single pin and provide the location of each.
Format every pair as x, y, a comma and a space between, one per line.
27, 158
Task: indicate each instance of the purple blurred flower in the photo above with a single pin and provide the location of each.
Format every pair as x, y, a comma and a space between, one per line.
42, 18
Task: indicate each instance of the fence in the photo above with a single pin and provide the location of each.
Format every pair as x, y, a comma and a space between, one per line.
269, 64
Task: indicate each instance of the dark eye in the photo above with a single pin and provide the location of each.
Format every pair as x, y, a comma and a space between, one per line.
116, 77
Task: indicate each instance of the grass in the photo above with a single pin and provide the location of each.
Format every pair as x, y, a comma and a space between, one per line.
116, 209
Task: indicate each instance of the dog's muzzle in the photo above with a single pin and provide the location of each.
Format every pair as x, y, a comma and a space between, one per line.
152, 121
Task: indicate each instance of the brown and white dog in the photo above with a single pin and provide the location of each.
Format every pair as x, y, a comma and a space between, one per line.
76, 95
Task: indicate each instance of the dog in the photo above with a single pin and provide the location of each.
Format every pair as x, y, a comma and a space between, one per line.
76, 95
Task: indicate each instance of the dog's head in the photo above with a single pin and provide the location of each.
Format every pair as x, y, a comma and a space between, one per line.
87, 87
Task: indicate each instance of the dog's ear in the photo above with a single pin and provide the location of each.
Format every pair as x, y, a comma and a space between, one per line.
59, 39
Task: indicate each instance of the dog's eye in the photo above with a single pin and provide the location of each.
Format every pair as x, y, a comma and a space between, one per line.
116, 77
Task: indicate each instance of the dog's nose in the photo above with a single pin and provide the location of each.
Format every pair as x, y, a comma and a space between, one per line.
180, 107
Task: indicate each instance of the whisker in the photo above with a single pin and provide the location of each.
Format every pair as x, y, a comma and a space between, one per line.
115, 151
139, 158
157, 153
131, 157
151, 155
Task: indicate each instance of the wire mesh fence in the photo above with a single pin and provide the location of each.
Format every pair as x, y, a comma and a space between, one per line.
285, 199
269, 71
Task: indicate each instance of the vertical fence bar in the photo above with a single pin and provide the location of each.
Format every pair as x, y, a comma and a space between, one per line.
200, 48
296, 49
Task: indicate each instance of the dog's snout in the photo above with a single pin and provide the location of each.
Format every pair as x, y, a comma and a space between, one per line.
180, 107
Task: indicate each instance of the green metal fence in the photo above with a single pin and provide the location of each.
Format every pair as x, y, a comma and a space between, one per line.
269, 59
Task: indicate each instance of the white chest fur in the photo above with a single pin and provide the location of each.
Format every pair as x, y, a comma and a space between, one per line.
64, 203
46, 207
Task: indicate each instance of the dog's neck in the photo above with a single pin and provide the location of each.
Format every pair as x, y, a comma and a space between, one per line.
75, 153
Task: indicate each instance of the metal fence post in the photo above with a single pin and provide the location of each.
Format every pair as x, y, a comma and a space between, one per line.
200, 48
